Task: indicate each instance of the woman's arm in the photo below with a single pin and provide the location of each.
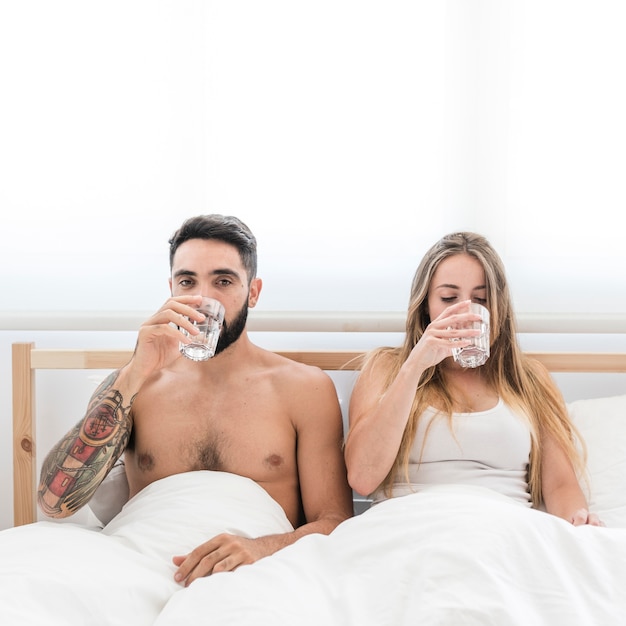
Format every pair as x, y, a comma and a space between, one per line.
561, 490
378, 417
377, 420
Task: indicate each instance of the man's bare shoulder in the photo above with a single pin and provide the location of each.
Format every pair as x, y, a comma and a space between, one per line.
289, 369
307, 393
305, 389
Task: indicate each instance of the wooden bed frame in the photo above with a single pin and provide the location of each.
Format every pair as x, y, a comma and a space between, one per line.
27, 359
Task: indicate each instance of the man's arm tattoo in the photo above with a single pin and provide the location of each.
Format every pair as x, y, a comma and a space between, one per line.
81, 460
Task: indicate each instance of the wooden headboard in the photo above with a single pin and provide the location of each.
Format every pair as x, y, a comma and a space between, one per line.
27, 359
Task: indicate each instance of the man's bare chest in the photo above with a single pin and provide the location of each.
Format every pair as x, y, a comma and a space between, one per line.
233, 436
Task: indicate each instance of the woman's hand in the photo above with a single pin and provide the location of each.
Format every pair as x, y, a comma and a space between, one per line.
582, 517
447, 331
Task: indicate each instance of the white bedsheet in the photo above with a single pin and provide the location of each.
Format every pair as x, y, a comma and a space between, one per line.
64, 574
448, 556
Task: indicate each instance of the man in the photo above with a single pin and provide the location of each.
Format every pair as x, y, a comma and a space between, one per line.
246, 411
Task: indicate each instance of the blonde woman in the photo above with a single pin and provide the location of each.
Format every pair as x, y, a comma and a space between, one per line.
418, 418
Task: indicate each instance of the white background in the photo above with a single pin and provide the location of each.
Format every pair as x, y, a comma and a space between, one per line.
349, 135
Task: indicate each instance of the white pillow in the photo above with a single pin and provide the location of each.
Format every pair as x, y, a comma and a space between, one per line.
602, 425
111, 495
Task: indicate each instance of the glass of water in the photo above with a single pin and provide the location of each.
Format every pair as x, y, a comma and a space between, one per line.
202, 346
477, 352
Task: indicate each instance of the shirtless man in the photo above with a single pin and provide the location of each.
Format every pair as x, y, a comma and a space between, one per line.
246, 411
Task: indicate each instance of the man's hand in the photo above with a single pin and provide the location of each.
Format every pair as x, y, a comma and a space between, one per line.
158, 337
222, 553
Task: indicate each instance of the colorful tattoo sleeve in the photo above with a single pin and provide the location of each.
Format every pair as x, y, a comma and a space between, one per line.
77, 465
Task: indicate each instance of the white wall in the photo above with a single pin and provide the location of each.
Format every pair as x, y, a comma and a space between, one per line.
349, 134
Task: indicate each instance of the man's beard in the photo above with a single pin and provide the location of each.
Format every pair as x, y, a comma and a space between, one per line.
232, 331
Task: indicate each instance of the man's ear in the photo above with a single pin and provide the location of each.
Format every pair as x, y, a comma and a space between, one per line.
256, 284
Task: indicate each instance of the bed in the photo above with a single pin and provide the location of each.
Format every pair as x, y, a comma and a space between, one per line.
449, 555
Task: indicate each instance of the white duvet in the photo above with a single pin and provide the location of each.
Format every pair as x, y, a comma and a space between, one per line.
64, 574
447, 556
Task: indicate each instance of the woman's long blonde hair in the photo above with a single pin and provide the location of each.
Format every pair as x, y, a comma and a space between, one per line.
521, 382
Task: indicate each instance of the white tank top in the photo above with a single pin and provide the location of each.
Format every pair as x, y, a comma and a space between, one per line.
487, 448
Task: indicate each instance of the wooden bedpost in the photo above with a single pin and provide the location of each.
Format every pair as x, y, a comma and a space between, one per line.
24, 458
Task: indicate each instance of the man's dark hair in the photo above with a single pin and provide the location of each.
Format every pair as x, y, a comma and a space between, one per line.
226, 228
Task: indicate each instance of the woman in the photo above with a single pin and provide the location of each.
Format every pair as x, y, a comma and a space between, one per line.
418, 418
